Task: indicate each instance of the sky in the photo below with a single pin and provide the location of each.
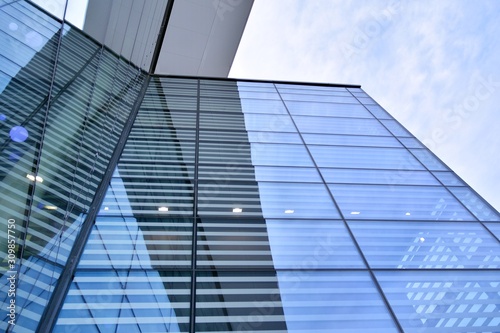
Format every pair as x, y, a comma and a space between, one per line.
433, 65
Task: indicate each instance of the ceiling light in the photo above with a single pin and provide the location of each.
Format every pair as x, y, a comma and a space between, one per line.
407, 214
106, 208
33, 178
237, 210
49, 207
355, 213
163, 209
422, 239
289, 211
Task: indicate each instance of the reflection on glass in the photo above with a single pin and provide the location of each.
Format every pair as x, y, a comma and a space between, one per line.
311, 244
307, 200
440, 301
327, 301
393, 202
405, 244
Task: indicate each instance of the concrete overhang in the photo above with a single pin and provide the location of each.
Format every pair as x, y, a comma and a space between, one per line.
176, 37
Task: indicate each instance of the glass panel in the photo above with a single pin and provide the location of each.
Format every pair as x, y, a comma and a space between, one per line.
233, 243
367, 100
429, 160
319, 98
313, 89
475, 204
397, 202
274, 137
329, 125
270, 95
361, 157
390, 177
448, 178
441, 301
287, 174
494, 228
311, 244
220, 174
327, 109
351, 140
238, 302
396, 128
404, 244
163, 197
378, 112
262, 106
322, 301
410, 142
273, 123
225, 198
295, 200
127, 301
138, 243
274, 154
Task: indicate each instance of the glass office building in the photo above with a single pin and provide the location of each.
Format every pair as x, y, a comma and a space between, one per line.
147, 203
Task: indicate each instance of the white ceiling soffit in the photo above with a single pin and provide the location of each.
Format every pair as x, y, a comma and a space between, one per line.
202, 37
129, 27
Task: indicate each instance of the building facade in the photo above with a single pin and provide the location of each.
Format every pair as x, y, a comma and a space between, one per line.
140, 202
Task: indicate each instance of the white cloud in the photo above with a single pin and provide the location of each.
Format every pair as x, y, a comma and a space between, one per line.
421, 60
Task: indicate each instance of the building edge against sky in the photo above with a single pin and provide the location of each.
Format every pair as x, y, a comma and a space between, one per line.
425, 271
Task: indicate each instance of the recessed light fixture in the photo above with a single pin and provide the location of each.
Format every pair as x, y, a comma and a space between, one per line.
289, 211
422, 239
163, 209
408, 214
106, 208
355, 213
49, 207
237, 210
33, 178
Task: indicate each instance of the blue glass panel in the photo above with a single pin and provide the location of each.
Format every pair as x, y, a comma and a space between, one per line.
246, 301
361, 157
351, 140
315, 91
274, 137
275, 154
396, 128
329, 125
378, 112
453, 301
287, 174
410, 142
390, 177
319, 301
126, 301
448, 178
404, 244
429, 160
327, 109
295, 200
319, 98
398, 202
144, 243
262, 106
311, 88
255, 86
475, 204
311, 244
233, 242
259, 94
367, 100
494, 228
268, 122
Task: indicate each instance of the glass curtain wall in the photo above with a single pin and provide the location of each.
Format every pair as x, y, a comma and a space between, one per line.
64, 100
269, 207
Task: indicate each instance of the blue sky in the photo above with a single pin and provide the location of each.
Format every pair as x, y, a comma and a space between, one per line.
434, 65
